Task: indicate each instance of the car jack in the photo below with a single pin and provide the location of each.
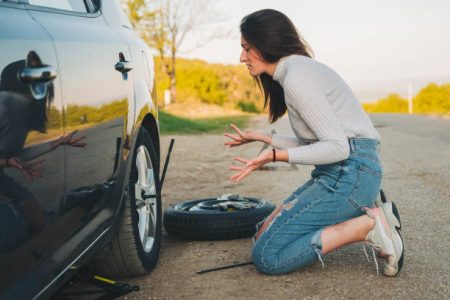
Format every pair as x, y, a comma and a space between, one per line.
109, 288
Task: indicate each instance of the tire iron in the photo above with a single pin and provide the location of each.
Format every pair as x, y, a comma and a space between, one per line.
224, 267
166, 164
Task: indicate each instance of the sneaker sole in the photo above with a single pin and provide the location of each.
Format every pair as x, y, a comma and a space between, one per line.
391, 212
397, 215
400, 261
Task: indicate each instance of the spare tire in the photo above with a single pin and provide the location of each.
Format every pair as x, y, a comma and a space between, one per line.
205, 219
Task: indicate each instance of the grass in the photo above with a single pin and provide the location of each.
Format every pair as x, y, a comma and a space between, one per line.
170, 124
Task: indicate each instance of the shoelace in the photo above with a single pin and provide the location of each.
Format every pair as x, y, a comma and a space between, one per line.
373, 254
372, 246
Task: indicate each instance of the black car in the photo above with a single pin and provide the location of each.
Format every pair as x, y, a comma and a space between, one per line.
79, 146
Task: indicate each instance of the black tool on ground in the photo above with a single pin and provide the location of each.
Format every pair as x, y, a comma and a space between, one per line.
225, 267
163, 175
109, 288
166, 164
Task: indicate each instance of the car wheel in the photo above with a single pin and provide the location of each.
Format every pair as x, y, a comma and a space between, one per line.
207, 219
135, 249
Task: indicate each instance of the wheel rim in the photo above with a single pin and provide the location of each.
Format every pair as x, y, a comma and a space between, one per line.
210, 205
146, 207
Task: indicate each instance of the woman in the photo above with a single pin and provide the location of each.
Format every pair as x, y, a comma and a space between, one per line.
336, 206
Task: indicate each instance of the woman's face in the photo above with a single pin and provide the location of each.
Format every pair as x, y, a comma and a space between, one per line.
252, 59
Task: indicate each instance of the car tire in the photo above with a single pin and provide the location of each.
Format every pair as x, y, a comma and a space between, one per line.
135, 248
216, 224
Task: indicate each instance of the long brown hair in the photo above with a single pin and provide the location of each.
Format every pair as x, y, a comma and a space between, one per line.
274, 36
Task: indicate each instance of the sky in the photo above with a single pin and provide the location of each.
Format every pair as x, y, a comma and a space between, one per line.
376, 46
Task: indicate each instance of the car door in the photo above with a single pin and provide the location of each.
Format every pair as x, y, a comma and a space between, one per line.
97, 88
30, 121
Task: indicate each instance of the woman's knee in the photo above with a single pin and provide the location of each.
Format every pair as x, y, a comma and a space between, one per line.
263, 265
263, 262
271, 261
266, 262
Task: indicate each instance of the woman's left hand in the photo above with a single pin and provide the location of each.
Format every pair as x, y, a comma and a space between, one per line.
250, 165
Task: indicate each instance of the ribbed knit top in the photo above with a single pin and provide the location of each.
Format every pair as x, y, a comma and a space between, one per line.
323, 112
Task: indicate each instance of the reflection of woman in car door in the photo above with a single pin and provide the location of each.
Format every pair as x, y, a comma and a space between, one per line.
20, 113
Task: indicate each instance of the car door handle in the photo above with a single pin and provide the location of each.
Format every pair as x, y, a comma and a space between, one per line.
40, 74
124, 66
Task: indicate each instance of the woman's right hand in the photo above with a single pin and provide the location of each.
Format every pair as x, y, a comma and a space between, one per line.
241, 137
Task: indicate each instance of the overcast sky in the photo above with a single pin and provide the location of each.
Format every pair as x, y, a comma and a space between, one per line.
364, 41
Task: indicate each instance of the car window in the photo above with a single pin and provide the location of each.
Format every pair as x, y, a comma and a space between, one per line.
70, 5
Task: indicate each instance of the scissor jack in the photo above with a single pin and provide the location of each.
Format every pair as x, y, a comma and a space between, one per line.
109, 288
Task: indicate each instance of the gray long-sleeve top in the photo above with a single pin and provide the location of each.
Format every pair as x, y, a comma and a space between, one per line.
323, 112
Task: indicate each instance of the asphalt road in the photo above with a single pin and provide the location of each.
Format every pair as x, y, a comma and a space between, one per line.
415, 152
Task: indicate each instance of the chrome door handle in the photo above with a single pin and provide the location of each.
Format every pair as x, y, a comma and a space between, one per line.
123, 66
40, 74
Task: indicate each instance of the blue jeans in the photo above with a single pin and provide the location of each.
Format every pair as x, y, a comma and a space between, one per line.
336, 192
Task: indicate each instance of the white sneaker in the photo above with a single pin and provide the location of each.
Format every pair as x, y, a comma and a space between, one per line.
388, 241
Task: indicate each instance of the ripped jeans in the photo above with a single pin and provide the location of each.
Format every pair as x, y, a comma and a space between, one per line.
336, 192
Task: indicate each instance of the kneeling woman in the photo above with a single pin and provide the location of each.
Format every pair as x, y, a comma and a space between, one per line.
336, 206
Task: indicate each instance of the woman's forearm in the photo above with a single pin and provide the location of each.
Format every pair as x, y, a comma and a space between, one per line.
35, 151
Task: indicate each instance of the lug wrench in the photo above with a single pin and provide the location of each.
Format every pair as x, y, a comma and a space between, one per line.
225, 267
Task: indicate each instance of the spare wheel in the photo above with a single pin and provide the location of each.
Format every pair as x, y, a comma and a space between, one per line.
222, 218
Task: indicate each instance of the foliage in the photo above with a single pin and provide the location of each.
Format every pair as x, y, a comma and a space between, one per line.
431, 99
392, 104
247, 107
137, 11
87, 114
166, 24
54, 118
170, 124
225, 85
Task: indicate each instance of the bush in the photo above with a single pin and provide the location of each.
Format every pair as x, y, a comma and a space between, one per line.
218, 84
433, 99
391, 104
247, 107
